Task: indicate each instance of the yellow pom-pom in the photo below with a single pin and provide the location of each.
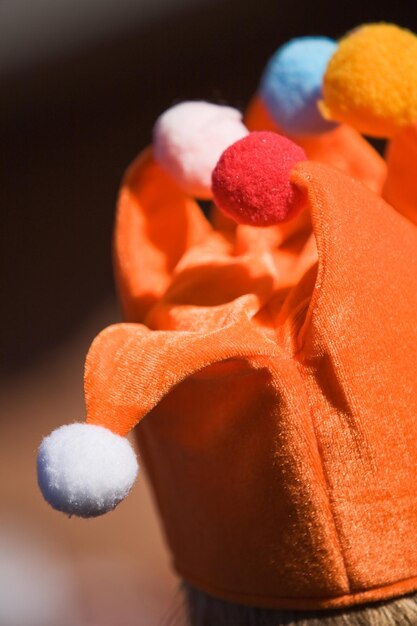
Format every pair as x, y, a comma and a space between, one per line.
371, 80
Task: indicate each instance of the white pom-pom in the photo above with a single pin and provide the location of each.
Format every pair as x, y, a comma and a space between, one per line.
85, 470
189, 138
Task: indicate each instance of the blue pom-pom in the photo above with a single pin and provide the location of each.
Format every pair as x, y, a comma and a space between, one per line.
291, 85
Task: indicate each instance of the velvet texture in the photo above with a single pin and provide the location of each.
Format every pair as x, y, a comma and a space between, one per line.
272, 376
400, 188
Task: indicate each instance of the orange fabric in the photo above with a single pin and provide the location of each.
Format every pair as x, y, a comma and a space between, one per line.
400, 188
273, 373
151, 208
342, 147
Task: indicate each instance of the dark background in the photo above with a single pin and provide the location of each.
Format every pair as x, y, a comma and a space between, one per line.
72, 121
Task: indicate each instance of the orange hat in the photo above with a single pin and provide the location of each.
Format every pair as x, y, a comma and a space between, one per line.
271, 375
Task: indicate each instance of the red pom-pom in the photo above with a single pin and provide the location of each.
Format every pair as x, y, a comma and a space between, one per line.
251, 179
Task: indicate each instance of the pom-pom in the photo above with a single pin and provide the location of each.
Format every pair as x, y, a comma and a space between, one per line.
85, 470
371, 80
251, 180
291, 85
189, 138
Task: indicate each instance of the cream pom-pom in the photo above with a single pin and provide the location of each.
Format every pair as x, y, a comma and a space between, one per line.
85, 470
189, 138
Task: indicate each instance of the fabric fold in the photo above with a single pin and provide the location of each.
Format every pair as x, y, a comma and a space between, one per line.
155, 224
129, 368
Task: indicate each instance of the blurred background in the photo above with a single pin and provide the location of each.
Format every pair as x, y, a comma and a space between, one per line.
81, 84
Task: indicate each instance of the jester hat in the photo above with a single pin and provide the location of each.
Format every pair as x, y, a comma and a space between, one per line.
269, 373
